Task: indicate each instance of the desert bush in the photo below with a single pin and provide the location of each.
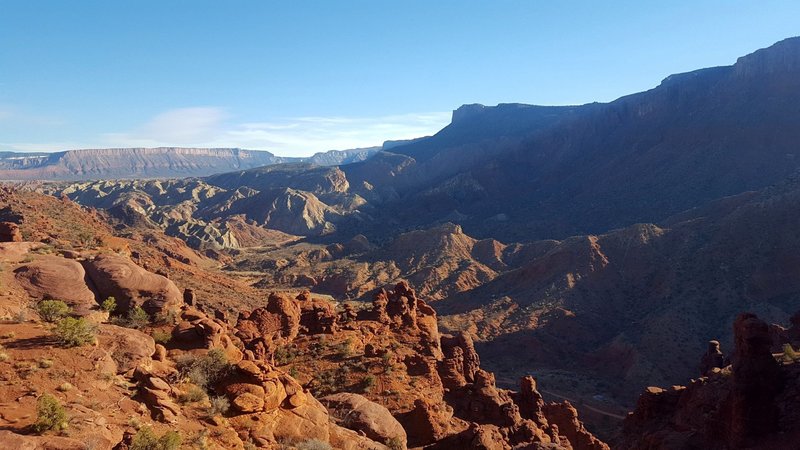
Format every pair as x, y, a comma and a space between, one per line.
138, 318
368, 383
161, 337
284, 355
45, 363
109, 305
50, 415
52, 310
219, 405
4, 356
146, 439
345, 348
72, 332
314, 444
395, 443
205, 370
167, 318
193, 394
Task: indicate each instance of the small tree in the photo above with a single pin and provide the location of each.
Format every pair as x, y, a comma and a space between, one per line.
50, 415
138, 318
72, 332
52, 310
109, 305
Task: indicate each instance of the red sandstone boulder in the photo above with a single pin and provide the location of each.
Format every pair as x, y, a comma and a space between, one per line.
358, 413
9, 232
119, 277
53, 277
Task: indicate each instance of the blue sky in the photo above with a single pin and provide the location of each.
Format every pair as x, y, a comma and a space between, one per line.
296, 77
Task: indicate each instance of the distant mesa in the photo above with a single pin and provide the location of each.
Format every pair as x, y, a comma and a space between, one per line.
161, 162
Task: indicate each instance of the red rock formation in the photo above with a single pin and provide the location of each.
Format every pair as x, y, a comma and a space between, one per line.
317, 316
53, 277
712, 358
358, 413
460, 362
749, 404
756, 381
565, 417
275, 324
530, 402
9, 232
117, 276
429, 421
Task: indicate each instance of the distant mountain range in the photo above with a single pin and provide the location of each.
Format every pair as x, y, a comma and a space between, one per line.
162, 162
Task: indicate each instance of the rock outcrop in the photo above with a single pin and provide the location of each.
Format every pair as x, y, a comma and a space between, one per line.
756, 381
358, 413
747, 404
119, 277
53, 277
9, 232
263, 329
712, 358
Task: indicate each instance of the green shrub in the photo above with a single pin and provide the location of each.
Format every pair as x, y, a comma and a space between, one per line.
52, 310
138, 318
50, 415
368, 383
193, 395
395, 443
72, 332
109, 305
205, 370
161, 337
45, 363
145, 439
284, 355
789, 354
345, 348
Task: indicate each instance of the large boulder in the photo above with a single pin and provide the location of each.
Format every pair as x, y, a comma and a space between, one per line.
128, 347
9, 232
360, 414
53, 277
119, 277
10, 440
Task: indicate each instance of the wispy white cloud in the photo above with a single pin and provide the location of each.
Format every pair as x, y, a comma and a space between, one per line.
211, 126
183, 126
306, 135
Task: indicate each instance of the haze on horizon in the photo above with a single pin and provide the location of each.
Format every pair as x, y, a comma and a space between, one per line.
297, 78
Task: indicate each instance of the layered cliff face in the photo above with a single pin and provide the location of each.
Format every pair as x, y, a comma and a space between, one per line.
131, 163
